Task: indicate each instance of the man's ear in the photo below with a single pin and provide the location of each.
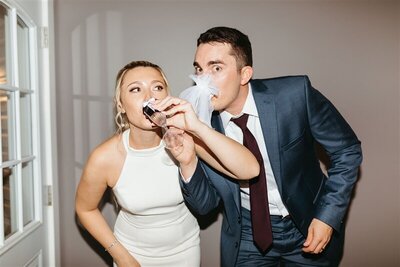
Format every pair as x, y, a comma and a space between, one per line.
246, 73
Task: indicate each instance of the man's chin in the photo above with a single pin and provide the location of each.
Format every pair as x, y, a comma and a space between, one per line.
215, 103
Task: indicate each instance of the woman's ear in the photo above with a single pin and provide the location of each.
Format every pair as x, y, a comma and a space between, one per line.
121, 109
246, 73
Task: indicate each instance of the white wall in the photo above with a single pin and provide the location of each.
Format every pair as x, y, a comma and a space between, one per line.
350, 50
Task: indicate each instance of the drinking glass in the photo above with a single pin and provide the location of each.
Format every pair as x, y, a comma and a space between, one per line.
172, 137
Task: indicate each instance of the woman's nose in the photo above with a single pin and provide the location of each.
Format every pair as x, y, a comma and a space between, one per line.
154, 95
149, 95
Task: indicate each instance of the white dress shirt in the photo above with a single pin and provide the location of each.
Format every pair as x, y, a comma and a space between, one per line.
276, 206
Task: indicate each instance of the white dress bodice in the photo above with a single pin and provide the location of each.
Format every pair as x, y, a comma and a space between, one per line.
154, 223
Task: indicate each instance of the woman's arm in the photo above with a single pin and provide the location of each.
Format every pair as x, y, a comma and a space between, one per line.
90, 190
221, 152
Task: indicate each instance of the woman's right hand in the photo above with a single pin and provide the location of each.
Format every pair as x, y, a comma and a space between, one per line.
122, 257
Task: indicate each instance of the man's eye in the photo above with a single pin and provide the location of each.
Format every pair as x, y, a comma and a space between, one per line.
198, 70
217, 68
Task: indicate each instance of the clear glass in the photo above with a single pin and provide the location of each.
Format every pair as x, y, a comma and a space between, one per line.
173, 138
7, 125
23, 54
9, 201
28, 199
3, 65
26, 124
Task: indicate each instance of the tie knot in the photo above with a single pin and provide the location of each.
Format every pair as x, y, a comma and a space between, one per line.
241, 121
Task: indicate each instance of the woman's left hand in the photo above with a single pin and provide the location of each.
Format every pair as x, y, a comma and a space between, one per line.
185, 154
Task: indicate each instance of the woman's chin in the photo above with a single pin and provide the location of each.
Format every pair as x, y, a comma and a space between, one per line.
150, 124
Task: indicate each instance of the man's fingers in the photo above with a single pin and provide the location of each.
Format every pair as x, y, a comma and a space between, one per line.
168, 102
309, 238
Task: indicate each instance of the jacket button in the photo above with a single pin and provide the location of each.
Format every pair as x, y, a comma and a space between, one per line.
239, 221
236, 244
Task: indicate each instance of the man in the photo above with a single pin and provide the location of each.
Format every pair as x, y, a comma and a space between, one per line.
302, 210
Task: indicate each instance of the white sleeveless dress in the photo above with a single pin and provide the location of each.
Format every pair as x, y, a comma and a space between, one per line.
154, 223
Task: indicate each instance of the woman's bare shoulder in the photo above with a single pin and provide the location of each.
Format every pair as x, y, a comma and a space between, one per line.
108, 154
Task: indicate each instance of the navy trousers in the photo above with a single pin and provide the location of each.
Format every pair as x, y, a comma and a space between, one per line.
286, 249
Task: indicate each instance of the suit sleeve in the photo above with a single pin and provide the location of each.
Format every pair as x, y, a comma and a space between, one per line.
335, 135
199, 194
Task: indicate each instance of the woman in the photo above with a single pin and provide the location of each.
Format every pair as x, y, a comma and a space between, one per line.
153, 227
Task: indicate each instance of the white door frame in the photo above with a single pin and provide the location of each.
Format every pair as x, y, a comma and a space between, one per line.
41, 14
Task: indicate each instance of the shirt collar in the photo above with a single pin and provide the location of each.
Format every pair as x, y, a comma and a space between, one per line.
249, 107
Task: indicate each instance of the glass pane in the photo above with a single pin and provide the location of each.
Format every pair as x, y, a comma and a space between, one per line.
27, 192
9, 201
26, 124
3, 69
23, 54
7, 125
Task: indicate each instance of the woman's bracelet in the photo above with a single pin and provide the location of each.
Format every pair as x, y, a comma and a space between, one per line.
111, 245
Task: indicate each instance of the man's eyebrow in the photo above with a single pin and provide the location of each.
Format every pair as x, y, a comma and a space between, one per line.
212, 62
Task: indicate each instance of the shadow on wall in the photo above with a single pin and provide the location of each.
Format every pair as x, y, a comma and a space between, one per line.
94, 61
94, 245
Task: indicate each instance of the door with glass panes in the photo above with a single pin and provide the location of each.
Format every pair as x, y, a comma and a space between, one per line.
24, 221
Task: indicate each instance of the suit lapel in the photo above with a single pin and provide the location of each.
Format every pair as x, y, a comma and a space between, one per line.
232, 185
268, 118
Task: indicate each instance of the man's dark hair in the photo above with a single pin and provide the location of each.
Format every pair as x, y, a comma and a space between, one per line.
240, 43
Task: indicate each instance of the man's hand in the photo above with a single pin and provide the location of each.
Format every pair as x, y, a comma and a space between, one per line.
319, 235
180, 113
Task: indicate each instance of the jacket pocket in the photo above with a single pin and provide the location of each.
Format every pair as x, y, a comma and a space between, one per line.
293, 143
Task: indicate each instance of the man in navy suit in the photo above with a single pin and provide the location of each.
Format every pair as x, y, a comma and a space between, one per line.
287, 118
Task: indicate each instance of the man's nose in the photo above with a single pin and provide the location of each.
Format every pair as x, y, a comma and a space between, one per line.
205, 72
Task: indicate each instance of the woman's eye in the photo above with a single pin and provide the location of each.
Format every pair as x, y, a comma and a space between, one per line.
158, 88
134, 89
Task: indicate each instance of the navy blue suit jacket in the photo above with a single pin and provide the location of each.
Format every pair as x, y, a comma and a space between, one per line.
294, 117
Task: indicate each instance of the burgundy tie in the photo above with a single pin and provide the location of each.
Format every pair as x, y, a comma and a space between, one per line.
260, 218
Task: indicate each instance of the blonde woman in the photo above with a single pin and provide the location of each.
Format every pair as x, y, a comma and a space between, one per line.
153, 227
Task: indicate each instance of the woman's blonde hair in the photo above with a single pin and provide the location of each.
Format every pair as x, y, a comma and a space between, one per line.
120, 118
